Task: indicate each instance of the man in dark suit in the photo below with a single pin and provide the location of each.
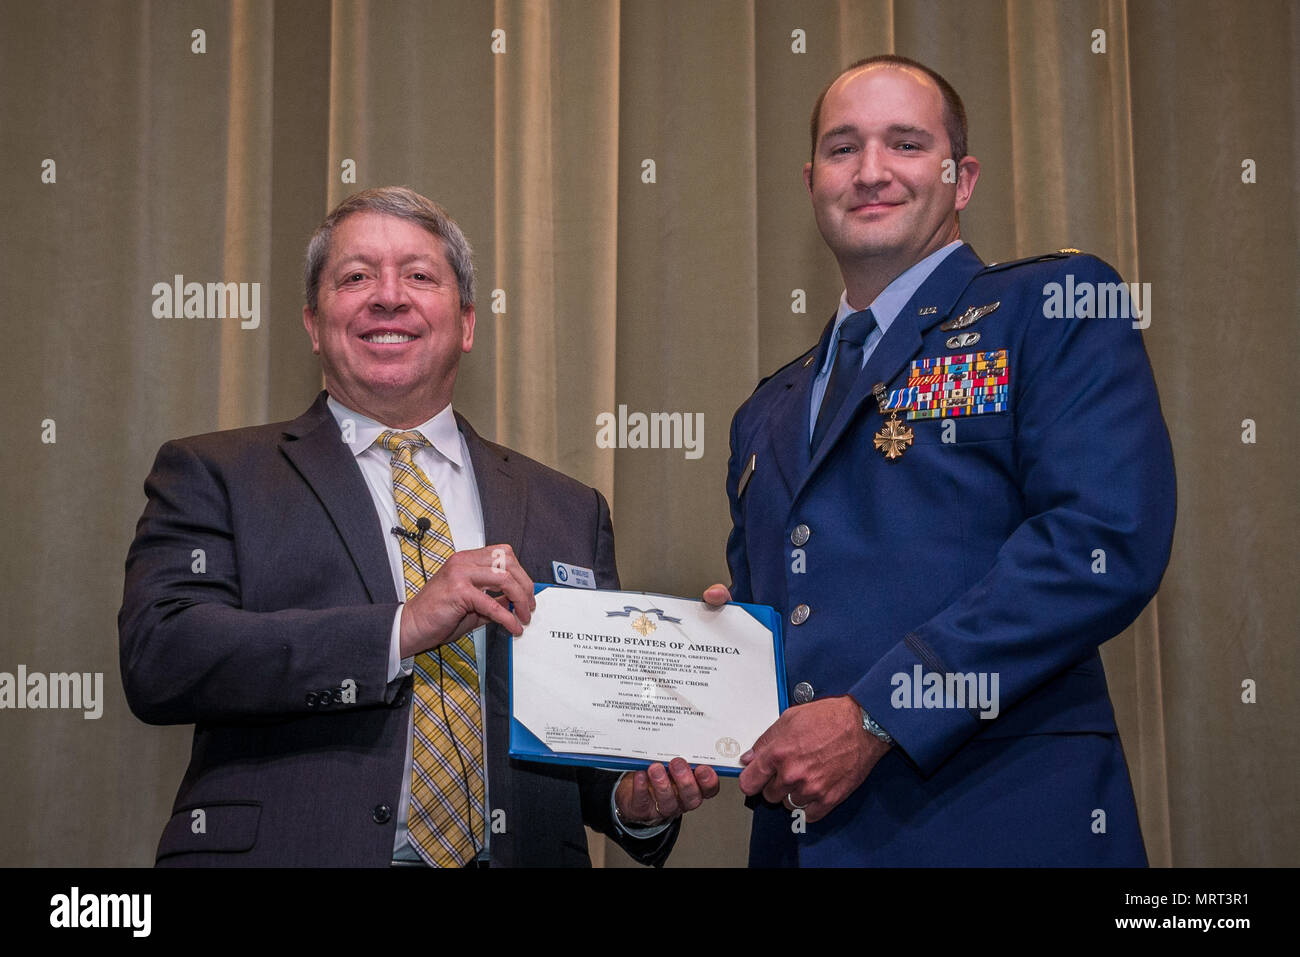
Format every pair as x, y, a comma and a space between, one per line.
955, 497
262, 597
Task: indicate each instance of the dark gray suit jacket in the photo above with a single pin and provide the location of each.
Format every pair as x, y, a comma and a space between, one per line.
258, 587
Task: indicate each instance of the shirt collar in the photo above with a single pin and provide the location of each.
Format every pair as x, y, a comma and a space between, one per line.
896, 295
441, 430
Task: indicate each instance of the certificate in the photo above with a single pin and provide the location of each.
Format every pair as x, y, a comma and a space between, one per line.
623, 679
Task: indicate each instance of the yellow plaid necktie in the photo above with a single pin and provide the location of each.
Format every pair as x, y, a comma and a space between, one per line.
447, 723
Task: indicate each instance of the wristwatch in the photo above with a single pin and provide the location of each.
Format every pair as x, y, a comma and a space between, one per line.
869, 725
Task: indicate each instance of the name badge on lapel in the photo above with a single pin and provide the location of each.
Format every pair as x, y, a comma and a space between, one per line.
575, 576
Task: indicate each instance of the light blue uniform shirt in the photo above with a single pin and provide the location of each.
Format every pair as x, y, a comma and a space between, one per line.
886, 308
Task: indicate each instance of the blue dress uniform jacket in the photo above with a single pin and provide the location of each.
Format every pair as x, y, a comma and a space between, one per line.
1005, 543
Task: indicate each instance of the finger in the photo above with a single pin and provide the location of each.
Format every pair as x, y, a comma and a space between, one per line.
641, 805
496, 572
503, 556
763, 743
518, 599
717, 595
661, 791
708, 781
502, 576
755, 777
775, 792
494, 609
816, 811
688, 790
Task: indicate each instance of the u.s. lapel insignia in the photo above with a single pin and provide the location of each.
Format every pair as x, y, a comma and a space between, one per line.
895, 437
971, 316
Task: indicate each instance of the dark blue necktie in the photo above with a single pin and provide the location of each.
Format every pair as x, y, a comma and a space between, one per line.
848, 363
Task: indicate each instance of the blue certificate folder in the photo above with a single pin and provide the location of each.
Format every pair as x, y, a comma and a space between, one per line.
526, 746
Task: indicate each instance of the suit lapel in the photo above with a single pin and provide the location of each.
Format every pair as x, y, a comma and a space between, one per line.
502, 491
941, 290
789, 429
313, 444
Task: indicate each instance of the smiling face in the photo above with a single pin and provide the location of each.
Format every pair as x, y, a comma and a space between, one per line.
877, 176
389, 326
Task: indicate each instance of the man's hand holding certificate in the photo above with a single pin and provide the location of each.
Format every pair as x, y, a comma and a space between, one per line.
626, 680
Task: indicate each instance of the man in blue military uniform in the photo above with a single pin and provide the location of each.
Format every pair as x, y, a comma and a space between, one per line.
954, 498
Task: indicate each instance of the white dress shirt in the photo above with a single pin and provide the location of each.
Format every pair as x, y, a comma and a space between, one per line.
446, 462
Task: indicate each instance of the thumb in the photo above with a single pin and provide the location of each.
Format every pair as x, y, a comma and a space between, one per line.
717, 595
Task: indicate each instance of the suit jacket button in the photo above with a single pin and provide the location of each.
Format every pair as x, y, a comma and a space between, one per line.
803, 693
800, 614
381, 814
800, 535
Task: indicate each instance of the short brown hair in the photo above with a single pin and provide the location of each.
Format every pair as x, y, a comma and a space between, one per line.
954, 112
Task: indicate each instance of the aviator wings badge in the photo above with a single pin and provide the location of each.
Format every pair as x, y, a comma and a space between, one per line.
971, 316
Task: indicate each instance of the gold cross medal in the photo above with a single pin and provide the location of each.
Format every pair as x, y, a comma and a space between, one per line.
895, 438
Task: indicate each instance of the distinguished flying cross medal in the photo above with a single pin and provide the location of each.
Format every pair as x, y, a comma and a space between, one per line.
894, 439
643, 625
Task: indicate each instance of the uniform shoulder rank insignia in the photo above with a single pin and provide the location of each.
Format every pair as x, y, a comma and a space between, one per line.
805, 360
971, 316
1046, 257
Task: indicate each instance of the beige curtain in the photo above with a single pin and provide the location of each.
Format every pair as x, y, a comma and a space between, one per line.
629, 173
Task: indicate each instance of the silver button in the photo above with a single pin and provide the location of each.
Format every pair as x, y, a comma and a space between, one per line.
803, 693
800, 614
800, 535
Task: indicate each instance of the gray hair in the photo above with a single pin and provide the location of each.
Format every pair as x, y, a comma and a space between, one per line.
405, 204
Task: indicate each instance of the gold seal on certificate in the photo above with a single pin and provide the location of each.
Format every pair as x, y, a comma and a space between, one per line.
624, 679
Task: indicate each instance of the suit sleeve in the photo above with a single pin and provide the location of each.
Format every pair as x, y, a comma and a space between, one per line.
192, 652
1094, 467
597, 786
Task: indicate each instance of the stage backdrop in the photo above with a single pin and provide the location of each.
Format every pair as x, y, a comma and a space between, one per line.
630, 175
